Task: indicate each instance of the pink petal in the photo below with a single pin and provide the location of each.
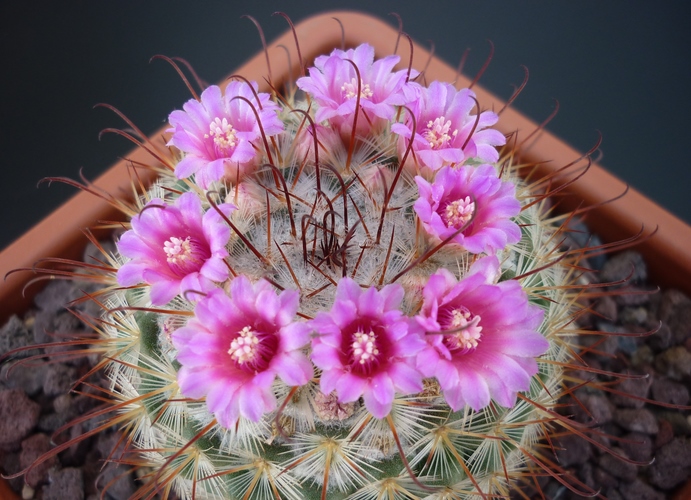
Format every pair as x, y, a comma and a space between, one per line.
131, 245
163, 292
267, 305
524, 344
342, 314
375, 407
382, 387
350, 387
131, 273
348, 290
447, 374
409, 345
295, 336
194, 285
427, 361
371, 303
401, 129
194, 383
188, 203
488, 267
189, 165
228, 416
221, 395
254, 402
214, 310
328, 380
406, 379
392, 295
474, 388
294, 368
289, 301
454, 397
325, 357
243, 294
215, 269
325, 328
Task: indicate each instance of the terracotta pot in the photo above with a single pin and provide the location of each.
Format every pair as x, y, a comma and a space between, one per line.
667, 254
6, 492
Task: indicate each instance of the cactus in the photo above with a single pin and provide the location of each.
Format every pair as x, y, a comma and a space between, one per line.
345, 290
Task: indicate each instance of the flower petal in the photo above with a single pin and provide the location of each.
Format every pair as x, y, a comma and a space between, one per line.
350, 387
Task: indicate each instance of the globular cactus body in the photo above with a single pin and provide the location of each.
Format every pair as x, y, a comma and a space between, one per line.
344, 293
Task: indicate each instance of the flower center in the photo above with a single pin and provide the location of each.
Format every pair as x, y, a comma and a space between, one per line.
459, 212
244, 347
364, 347
466, 331
350, 89
185, 256
437, 133
223, 134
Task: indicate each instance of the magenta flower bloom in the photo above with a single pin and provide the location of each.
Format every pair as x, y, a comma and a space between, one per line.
365, 347
446, 133
235, 346
490, 342
175, 248
220, 135
333, 83
448, 204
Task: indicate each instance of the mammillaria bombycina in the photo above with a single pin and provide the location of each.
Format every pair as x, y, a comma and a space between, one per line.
342, 292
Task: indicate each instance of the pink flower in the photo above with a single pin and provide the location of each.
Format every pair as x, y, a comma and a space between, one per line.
365, 347
235, 346
333, 83
490, 342
448, 204
220, 135
446, 133
175, 248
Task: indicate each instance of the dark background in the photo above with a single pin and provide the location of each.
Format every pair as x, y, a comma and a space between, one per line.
621, 68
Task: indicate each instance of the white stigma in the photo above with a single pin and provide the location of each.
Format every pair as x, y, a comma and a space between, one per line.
471, 332
364, 347
459, 212
243, 348
437, 133
223, 133
177, 250
350, 89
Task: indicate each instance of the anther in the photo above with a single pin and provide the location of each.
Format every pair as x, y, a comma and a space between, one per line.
459, 212
351, 88
243, 348
364, 347
437, 133
223, 133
